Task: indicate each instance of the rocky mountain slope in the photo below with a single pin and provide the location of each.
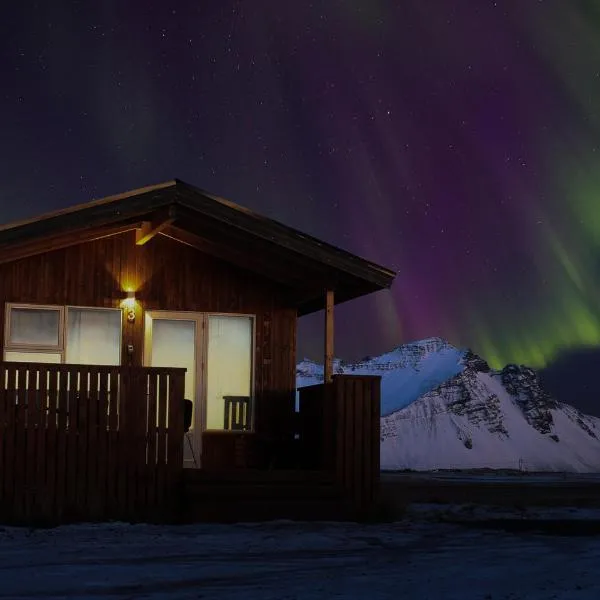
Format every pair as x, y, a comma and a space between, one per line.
444, 408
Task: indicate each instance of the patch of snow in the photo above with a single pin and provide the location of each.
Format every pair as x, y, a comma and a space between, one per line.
428, 435
406, 372
443, 408
313, 561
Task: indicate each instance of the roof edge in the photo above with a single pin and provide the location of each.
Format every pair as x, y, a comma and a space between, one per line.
90, 204
385, 272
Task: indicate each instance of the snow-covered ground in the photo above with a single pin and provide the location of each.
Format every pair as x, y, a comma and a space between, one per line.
417, 558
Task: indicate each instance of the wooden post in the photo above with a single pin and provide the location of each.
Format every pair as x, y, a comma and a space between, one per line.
328, 363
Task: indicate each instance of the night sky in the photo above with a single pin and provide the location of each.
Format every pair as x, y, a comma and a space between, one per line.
457, 142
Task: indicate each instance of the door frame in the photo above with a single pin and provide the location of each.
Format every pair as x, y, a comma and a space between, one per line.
252, 318
199, 362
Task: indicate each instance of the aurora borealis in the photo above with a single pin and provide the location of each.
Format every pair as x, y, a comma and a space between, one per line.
457, 141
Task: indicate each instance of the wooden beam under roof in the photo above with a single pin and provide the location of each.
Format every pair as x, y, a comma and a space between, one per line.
328, 363
240, 256
159, 223
19, 251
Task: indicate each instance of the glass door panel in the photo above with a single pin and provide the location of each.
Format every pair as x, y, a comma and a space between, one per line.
174, 345
174, 342
229, 372
93, 336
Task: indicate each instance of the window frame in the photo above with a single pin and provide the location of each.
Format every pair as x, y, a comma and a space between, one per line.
252, 317
61, 347
9, 346
201, 318
92, 308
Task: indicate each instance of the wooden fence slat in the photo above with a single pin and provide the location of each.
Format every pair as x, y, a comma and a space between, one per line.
102, 443
3, 419
359, 458
138, 404
132, 435
161, 453
40, 459
175, 434
128, 441
30, 417
365, 447
112, 494
92, 488
152, 433
62, 443
122, 466
10, 439
175, 422
347, 402
338, 398
146, 470
375, 437
81, 399
72, 439
50, 449
20, 474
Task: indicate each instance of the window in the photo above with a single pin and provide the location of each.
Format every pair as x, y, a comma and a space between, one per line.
57, 334
217, 350
39, 327
229, 372
93, 336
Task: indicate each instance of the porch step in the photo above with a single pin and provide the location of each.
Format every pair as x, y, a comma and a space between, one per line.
234, 500
262, 492
251, 509
200, 476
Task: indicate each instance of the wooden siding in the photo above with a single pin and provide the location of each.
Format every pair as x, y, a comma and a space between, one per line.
339, 431
166, 275
334, 438
357, 406
260, 495
89, 443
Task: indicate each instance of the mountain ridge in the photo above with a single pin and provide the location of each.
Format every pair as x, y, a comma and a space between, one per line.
445, 408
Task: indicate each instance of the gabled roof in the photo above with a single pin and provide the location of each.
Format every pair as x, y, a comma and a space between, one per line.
303, 264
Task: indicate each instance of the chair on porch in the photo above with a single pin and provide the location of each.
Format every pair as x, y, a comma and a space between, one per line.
188, 407
237, 415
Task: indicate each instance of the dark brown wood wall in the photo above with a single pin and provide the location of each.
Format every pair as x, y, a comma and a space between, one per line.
89, 443
166, 275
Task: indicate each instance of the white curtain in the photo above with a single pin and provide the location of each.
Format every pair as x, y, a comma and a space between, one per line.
34, 357
174, 345
229, 364
93, 336
34, 326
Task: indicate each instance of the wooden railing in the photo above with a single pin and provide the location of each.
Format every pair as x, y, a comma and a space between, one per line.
89, 442
339, 431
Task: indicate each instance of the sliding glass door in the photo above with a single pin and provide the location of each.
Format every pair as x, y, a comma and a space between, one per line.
217, 351
173, 340
229, 372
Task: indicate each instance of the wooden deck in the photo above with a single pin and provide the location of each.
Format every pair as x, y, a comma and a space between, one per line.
260, 495
88, 443
326, 466
83, 443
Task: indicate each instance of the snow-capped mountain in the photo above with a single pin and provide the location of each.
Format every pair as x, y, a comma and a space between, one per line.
406, 372
444, 408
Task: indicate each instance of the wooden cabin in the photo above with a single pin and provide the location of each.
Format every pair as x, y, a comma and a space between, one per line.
117, 311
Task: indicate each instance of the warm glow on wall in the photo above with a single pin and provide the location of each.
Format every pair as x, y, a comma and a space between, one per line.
129, 301
129, 304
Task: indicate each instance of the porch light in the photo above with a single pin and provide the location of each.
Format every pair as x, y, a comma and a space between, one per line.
129, 306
